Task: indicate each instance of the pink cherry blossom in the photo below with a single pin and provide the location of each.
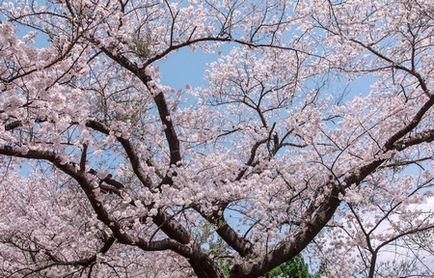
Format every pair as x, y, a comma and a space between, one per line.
313, 135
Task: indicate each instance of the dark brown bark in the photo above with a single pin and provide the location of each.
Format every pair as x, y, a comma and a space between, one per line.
292, 247
169, 129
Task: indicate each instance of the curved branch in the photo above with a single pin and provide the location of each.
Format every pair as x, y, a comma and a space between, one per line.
86, 185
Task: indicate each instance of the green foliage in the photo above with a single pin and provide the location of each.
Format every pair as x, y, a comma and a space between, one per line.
143, 44
224, 266
141, 48
295, 268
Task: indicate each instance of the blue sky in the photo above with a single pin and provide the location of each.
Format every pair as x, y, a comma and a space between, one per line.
185, 67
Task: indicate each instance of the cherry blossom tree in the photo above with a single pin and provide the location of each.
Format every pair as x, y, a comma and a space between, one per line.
107, 172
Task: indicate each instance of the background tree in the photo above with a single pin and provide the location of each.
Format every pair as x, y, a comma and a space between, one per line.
107, 172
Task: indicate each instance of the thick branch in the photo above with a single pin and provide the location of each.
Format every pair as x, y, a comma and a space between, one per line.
160, 101
169, 129
415, 139
240, 244
129, 149
293, 246
323, 213
97, 206
410, 126
167, 224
